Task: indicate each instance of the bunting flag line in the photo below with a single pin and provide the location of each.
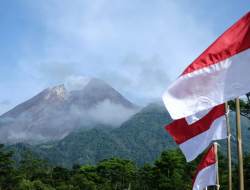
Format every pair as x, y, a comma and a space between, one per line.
219, 74
205, 174
195, 138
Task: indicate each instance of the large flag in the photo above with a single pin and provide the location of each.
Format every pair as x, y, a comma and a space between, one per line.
205, 174
195, 138
195, 117
219, 74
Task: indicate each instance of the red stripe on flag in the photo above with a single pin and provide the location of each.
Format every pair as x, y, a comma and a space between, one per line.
181, 131
235, 40
206, 161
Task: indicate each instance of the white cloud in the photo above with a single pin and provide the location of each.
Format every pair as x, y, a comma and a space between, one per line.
138, 47
21, 136
93, 38
5, 102
104, 113
142, 80
76, 82
56, 124
108, 113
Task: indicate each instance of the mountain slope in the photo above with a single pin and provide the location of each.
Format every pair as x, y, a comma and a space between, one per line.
55, 112
94, 92
50, 98
142, 139
144, 134
86, 147
29, 120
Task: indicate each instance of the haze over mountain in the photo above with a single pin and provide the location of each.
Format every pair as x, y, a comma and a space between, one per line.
141, 138
55, 112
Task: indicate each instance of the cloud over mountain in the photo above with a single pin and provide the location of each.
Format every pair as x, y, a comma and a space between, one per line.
55, 112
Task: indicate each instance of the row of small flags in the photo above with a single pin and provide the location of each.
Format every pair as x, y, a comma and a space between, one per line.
195, 100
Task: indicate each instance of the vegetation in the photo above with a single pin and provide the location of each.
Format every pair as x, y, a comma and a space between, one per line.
123, 158
141, 139
170, 171
244, 107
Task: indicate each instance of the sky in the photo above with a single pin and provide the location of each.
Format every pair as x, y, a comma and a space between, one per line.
138, 47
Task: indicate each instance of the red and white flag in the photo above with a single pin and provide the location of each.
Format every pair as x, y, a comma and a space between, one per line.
195, 138
205, 174
219, 74
193, 118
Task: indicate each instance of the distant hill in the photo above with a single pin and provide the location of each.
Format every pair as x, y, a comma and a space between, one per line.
142, 139
56, 112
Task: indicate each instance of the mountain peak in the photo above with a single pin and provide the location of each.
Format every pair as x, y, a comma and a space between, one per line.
95, 92
51, 97
55, 112
58, 92
97, 84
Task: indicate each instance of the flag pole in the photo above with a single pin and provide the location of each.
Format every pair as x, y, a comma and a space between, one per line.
239, 140
217, 169
228, 150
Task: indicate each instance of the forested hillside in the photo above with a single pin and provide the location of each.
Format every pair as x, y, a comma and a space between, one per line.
170, 171
142, 139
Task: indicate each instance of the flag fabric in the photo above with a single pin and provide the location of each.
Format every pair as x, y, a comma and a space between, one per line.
205, 174
195, 117
195, 138
219, 74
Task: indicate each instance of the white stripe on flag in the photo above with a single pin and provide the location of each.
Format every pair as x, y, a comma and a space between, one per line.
193, 118
205, 177
196, 145
209, 86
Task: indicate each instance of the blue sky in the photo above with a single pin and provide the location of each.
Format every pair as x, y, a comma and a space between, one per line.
138, 47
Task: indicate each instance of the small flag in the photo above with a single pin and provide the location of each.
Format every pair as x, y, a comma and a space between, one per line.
195, 138
219, 74
205, 174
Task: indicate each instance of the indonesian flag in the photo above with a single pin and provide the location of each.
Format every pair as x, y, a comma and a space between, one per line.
193, 118
219, 74
205, 174
195, 138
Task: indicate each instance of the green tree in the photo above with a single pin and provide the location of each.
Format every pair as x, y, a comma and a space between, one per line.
244, 106
87, 178
35, 185
145, 176
75, 168
246, 173
120, 172
246, 162
33, 168
25, 185
8, 174
168, 171
60, 176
